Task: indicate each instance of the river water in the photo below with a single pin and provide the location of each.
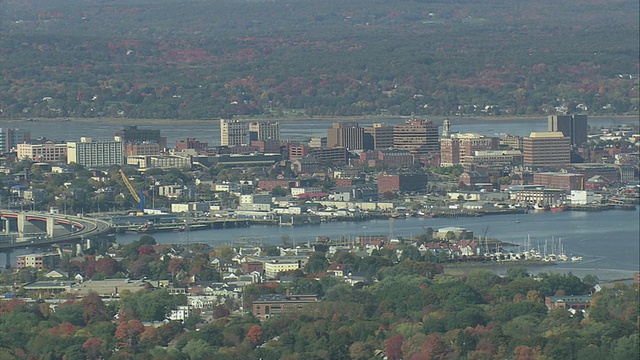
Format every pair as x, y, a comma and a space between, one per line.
608, 241
209, 130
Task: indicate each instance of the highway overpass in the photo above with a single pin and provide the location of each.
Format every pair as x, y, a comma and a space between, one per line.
21, 229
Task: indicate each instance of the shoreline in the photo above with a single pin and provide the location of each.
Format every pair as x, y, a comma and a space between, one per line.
320, 118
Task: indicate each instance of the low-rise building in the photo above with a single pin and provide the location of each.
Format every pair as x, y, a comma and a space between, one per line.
576, 302
271, 305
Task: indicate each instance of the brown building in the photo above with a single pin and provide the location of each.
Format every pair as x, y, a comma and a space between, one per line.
546, 149
271, 305
389, 158
334, 156
378, 136
267, 146
306, 165
298, 150
348, 135
558, 180
475, 178
191, 143
269, 185
458, 146
420, 137
572, 126
141, 149
576, 302
251, 266
132, 134
401, 182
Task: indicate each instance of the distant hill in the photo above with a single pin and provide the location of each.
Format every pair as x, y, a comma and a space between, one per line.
209, 59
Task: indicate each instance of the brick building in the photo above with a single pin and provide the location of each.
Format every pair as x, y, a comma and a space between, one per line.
401, 182
559, 180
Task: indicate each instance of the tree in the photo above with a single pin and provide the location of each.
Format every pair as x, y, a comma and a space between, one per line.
317, 263
93, 309
71, 312
106, 266
410, 252
393, 347
93, 347
128, 333
197, 349
279, 191
255, 334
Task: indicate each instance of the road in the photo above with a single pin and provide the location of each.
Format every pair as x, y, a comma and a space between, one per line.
87, 228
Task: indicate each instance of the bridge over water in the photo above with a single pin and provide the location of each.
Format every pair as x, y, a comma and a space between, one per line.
22, 229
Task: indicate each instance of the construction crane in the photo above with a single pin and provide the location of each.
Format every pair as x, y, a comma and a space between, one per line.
138, 198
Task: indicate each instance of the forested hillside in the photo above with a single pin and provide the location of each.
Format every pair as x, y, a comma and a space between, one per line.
404, 316
218, 58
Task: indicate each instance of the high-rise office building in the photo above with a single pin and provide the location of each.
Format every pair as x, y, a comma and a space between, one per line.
233, 132
132, 134
91, 153
572, 126
546, 149
420, 137
10, 138
263, 131
379, 136
348, 135
454, 148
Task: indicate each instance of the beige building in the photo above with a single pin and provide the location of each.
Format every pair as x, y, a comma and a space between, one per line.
145, 148
48, 151
264, 130
420, 137
233, 132
348, 135
456, 147
546, 148
378, 136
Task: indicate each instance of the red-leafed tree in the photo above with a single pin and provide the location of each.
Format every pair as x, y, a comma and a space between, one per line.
93, 347
393, 347
523, 352
94, 309
435, 347
175, 266
145, 250
128, 333
107, 266
64, 328
255, 334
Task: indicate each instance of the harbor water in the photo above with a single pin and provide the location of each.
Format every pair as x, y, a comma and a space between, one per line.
607, 241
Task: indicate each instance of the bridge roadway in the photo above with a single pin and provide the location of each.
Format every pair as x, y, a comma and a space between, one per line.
81, 228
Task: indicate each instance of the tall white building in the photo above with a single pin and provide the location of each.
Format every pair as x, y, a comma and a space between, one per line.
233, 132
91, 153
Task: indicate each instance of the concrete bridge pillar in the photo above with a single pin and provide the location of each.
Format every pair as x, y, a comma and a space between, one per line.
22, 222
50, 226
7, 259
